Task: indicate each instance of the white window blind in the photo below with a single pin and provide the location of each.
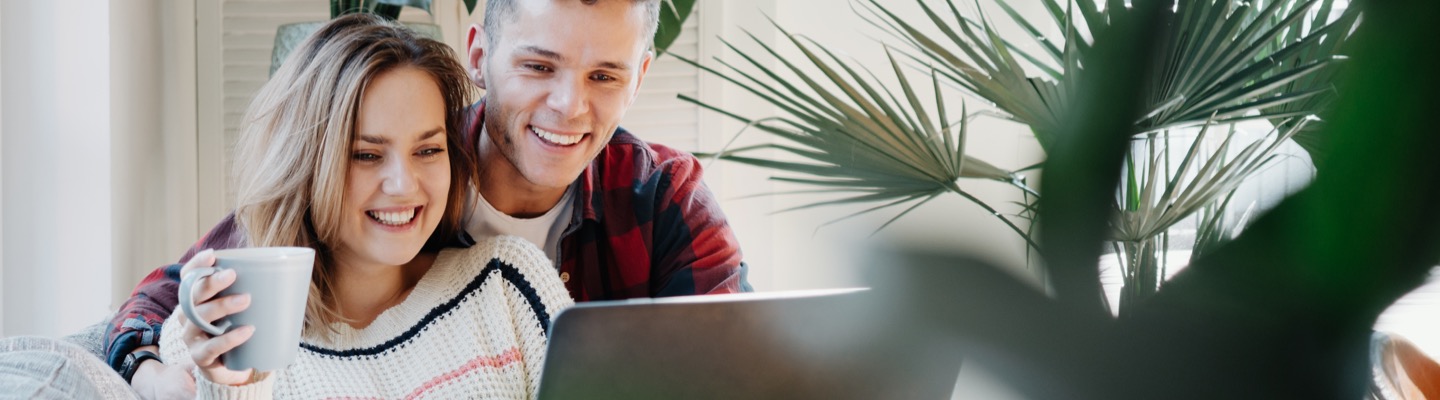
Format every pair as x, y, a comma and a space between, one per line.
234, 40
249, 35
657, 116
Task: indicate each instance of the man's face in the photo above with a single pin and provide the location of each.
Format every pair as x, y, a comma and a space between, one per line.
558, 79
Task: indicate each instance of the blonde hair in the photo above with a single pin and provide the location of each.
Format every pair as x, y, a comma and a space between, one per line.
293, 152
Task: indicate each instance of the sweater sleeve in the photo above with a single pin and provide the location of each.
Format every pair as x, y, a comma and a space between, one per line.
173, 351
138, 321
260, 389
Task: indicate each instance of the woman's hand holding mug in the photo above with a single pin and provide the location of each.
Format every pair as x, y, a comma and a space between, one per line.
205, 348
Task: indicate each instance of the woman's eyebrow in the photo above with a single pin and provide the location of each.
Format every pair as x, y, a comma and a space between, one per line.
374, 139
431, 133
381, 140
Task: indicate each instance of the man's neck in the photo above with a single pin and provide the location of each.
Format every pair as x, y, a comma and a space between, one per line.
506, 189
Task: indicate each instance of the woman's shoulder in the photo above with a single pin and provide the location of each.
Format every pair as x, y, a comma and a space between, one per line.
516, 261
457, 278
512, 251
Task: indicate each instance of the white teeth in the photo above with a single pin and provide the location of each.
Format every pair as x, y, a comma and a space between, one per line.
393, 217
563, 140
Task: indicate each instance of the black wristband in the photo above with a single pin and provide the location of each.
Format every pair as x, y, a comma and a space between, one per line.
133, 361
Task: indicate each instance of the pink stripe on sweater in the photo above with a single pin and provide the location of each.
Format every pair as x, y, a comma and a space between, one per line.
503, 359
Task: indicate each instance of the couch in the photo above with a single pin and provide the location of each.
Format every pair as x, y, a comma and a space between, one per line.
72, 367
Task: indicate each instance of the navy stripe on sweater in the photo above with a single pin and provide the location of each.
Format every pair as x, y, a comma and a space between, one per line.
507, 272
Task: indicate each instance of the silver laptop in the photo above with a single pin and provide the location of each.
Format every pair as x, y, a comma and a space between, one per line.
827, 344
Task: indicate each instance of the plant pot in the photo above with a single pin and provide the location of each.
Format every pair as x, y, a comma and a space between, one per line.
289, 36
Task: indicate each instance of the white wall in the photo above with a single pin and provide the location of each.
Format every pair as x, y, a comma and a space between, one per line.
56, 165
2, 170
99, 160
153, 137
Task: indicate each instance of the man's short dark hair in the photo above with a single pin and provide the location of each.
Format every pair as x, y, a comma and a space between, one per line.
499, 12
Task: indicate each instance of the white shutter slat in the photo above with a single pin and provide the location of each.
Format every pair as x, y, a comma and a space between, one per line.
664, 118
258, 26
671, 83
247, 37
658, 116
663, 68
280, 8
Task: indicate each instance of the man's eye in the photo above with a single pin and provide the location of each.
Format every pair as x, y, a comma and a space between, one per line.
537, 67
602, 77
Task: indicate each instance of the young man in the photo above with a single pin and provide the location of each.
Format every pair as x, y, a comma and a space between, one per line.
621, 218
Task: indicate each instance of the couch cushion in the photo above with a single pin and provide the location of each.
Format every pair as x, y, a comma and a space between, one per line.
49, 368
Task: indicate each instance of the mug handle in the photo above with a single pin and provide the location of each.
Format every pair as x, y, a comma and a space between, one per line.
187, 301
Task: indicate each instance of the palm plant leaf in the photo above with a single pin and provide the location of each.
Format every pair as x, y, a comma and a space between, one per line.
1215, 62
1219, 56
1049, 45
673, 14
846, 133
1334, 39
978, 61
1164, 202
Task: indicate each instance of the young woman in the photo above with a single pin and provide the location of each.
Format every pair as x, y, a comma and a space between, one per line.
352, 149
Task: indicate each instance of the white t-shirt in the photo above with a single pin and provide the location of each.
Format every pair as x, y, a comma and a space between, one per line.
482, 220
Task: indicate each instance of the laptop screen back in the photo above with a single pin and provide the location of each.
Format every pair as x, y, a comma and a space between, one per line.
784, 345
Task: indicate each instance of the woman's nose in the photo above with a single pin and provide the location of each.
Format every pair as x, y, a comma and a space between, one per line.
399, 179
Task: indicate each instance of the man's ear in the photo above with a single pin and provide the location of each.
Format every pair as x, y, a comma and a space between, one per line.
475, 54
640, 75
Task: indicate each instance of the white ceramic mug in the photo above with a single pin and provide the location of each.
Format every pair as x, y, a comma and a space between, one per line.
278, 281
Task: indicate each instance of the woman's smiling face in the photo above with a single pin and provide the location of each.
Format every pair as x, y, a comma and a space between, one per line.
399, 172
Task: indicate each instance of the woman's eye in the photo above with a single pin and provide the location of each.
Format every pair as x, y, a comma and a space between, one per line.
431, 152
365, 157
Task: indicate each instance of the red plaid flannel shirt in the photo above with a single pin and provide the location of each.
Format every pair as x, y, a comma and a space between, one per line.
644, 225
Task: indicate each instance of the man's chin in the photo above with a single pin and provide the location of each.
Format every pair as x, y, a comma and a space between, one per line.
556, 184
548, 176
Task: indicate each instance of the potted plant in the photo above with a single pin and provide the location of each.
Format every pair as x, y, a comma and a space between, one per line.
1225, 62
288, 36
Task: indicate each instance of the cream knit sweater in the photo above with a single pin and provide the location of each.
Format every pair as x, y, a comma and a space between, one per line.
474, 327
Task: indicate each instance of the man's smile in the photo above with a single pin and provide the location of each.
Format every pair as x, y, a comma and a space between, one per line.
556, 139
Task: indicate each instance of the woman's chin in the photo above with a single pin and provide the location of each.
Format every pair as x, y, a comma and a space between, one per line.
402, 256
391, 254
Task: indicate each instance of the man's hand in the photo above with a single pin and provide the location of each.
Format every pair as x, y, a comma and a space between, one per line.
155, 380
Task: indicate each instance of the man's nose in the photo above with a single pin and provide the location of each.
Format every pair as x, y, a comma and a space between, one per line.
569, 98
